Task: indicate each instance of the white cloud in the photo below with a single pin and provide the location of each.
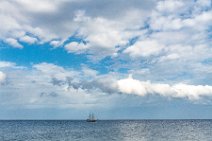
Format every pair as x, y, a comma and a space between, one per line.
2, 77
183, 41
169, 57
200, 21
90, 81
144, 48
28, 39
204, 3
56, 43
101, 34
52, 85
131, 86
47, 67
142, 88
171, 37
89, 72
170, 6
14, 43
76, 47
5, 64
39, 6
194, 21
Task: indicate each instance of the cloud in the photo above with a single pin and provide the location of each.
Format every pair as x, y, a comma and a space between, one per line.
131, 86
50, 71
144, 48
46, 6
13, 43
45, 92
100, 34
76, 47
142, 88
2, 77
5, 64
170, 6
169, 57
51, 84
56, 43
177, 34
28, 39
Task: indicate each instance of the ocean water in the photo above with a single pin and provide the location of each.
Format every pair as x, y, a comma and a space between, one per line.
106, 130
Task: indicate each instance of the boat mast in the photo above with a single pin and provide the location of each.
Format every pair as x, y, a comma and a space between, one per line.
92, 116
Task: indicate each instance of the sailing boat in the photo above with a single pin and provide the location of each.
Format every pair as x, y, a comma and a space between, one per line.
91, 118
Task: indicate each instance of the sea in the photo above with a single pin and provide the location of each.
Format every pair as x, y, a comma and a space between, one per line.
106, 130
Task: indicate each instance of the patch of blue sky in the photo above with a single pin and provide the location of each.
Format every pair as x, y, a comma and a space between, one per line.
133, 40
207, 61
103, 66
209, 31
38, 53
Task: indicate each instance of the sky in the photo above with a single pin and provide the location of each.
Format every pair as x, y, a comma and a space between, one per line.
118, 59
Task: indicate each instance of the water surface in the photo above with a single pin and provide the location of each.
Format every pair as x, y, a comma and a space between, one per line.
106, 130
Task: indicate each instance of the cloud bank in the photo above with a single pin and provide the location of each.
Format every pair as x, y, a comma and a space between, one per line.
142, 88
52, 85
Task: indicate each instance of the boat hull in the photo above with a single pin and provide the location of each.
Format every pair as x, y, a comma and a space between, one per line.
90, 120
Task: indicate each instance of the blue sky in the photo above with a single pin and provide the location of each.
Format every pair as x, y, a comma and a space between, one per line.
134, 59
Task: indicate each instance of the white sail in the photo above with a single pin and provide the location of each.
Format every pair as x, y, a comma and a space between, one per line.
91, 118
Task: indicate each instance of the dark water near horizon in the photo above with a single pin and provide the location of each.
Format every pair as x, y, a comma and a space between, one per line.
106, 130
